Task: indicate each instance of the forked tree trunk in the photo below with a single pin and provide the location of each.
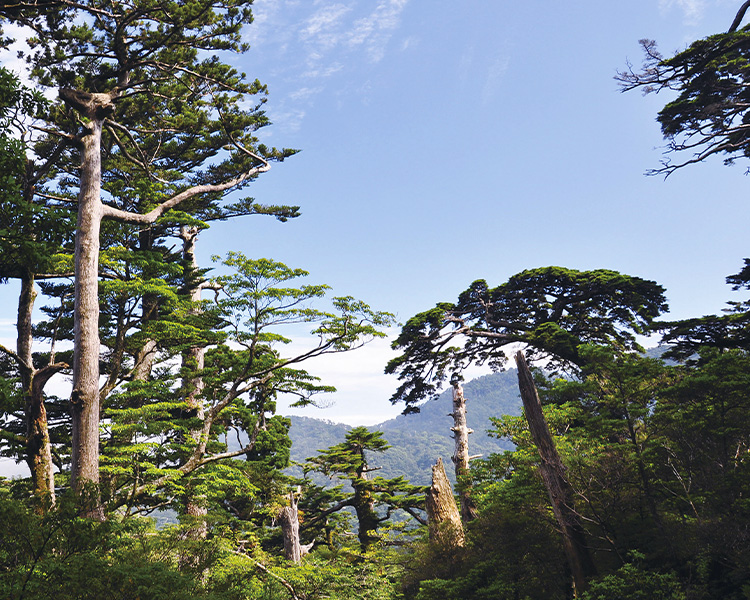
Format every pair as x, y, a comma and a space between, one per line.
553, 474
95, 108
289, 521
461, 456
444, 519
38, 448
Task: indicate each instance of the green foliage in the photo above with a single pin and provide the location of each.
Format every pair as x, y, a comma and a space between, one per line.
631, 582
552, 309
348, 461
63, 556
256, 300
709, 116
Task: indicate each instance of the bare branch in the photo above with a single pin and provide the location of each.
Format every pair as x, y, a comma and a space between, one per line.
15, 357
123, 216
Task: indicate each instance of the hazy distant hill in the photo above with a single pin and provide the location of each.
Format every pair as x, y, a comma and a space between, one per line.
417, 440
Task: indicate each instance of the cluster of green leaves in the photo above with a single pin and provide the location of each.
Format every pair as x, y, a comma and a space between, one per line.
60, 555
553, 310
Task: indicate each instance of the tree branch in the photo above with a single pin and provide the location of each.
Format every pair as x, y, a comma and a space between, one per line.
265, 570
123, 216
738, 18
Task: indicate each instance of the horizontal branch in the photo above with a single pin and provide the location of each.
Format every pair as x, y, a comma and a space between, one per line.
150, 217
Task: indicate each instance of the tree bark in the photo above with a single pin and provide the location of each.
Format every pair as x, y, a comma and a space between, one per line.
553, 474
94, 108
461, 457
444, 519
193, 362
289, 520
84, 471
38, 448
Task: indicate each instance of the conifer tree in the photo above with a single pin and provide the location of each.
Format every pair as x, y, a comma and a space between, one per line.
141, 86
348, 462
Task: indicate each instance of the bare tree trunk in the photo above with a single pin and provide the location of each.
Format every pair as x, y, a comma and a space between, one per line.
461, 456
553, 474
193, 361
289, 520
85, 395
442, 513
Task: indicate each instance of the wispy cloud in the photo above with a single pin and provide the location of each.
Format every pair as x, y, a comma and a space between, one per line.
362, 390
312, 42
327, 26
494, 77
375, 30
692, 10
287, 119
304, 93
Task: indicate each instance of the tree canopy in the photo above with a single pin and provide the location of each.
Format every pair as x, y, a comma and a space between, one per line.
553, 310
710, 114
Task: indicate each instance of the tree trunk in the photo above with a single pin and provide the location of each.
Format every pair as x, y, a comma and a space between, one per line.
193, 362
461, 453
289, 520
553, 474
364, 506
84, 471
38, 449
443, 516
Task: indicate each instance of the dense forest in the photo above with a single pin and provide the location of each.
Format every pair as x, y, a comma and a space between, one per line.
623, 477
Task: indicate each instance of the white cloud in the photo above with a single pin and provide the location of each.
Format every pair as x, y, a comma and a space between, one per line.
313, 41
305, 93
288, 120
375, 30
322, 73
9, 56
323, 25
494, 77
692, 10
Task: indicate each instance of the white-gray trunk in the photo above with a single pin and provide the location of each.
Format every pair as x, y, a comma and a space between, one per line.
444, 520
461, 457
85, 394
289, 520
193, 360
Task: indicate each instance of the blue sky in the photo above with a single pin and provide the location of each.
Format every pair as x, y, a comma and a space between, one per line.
444, 142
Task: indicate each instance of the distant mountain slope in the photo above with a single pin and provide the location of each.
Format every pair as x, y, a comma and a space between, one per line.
417, 440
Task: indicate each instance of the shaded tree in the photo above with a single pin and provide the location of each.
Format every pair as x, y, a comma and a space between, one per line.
32, 247
142, 83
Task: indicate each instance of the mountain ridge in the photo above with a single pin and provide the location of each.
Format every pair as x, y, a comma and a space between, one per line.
417, 440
